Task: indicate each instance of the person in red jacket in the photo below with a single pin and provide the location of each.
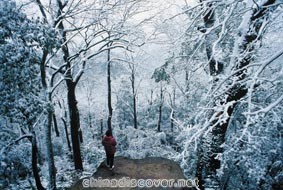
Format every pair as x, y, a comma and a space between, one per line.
109, 144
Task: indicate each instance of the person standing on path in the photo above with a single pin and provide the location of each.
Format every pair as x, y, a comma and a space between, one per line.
109, 143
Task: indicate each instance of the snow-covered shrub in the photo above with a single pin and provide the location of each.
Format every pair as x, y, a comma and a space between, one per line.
93, 156
15, 163
137, 144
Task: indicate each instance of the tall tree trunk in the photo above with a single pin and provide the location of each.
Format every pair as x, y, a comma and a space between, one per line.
135, 113
134, 97
48, 125
173, 111
34, 151
48, 142
200, 166
160, 108
110, 110
75, 124
71, 94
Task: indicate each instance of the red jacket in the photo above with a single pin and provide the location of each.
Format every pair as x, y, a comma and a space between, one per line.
109, 144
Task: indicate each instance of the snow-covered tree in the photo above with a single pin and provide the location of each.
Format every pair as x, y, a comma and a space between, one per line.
84, 38
232, 36
124, 105
20, 83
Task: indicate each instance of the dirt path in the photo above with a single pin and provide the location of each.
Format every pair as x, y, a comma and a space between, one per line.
148, 168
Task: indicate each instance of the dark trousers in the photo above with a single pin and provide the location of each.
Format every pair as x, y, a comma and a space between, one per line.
110, 160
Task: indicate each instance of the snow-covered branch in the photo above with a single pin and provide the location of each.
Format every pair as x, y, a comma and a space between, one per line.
28, 136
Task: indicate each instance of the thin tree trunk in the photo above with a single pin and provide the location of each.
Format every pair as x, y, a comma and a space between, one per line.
101, 127
187, 85
81, 135
67, 134
90, 120
135, 114
160, 109
172, 121
151, 98
173, 112
159, 117
134, 97
56, 126
110, 110
150, 101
